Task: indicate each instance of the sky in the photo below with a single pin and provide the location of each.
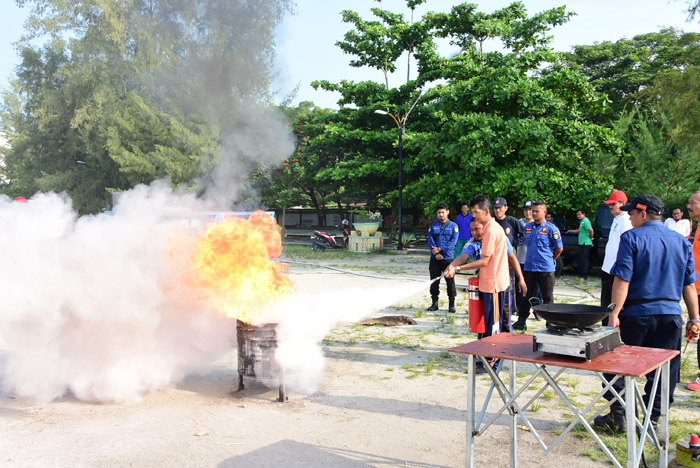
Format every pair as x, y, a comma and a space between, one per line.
306, 49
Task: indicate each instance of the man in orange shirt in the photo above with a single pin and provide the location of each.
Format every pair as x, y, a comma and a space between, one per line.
494, 277
694, 212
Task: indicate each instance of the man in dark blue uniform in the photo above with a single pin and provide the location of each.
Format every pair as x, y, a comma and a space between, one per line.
544, 245
442, 238
654, 268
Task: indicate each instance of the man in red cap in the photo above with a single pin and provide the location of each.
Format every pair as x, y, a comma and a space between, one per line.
620, 224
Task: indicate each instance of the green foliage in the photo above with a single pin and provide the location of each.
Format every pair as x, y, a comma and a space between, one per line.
652, 162
135, 90
624, 68
653, 82
678, 94
496, 126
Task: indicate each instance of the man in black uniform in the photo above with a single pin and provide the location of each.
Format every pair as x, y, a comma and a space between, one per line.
515, 234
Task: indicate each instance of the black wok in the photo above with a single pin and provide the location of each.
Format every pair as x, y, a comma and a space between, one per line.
572, 315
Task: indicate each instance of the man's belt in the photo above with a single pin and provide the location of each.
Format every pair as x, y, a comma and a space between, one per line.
634, 302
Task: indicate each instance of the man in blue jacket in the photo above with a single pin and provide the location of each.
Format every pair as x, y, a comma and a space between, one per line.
653, 271
442, 239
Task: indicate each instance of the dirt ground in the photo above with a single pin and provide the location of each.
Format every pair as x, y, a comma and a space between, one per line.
389, 398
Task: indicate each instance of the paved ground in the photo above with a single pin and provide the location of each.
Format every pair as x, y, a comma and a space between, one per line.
385, 397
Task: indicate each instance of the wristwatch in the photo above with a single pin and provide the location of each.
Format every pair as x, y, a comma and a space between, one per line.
457, 268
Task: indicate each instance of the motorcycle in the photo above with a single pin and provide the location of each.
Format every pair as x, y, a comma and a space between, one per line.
324, 240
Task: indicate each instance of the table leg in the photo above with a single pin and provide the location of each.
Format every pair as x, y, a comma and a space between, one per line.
630, 421
663, 417
513, 419
471, 408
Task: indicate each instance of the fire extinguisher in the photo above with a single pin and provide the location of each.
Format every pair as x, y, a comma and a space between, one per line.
476, 307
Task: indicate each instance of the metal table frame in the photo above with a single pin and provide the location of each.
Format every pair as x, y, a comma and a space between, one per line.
627, 362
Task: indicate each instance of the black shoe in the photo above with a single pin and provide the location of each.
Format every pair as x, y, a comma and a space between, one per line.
519, 326
480, 370
655, 422
433, 307
610, 421
452, 309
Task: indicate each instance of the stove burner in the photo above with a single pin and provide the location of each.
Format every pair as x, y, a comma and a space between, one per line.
568, 331
584, 343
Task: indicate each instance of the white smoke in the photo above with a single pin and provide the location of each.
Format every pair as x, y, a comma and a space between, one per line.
306, 319
91, 305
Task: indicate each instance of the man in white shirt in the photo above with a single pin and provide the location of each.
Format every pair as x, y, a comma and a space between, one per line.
620, 224
678, 224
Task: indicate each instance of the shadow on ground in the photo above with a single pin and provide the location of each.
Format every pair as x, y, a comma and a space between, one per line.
291, 453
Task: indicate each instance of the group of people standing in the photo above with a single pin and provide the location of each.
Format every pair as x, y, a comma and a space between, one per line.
647, 270
515, 258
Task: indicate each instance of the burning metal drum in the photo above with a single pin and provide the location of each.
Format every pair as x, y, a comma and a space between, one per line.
256, 354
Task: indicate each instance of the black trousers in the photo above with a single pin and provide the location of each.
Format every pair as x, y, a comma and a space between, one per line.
651, 331
436, 268
519, 298
583, 263
533, 279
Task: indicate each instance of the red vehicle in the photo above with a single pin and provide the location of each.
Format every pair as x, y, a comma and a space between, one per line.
324, 240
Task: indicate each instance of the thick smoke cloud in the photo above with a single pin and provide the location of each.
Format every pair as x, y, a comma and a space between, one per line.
92, 306
97, 307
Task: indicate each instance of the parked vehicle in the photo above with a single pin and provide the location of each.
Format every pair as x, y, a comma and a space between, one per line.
601, 227
323, 240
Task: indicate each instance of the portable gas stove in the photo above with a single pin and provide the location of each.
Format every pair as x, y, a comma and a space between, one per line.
585, 343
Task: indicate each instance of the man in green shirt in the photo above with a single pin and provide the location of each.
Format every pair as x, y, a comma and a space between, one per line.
585, 242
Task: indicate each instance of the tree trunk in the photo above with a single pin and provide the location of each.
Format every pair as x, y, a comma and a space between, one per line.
284, 222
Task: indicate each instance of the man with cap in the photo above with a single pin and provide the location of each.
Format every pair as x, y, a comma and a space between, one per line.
544, 245
694, 212
514, 233
653, 270
621, 223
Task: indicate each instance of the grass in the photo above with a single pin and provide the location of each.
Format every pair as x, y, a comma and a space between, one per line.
679, 429
572, 381
305, 251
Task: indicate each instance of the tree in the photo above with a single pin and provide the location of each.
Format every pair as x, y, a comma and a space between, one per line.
677, 93
496, 126
624, 69
136, 90
652, 161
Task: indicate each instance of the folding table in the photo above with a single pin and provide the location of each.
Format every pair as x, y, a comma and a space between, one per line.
627, 362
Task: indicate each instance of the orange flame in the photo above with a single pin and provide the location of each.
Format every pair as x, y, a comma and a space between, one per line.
233, 266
